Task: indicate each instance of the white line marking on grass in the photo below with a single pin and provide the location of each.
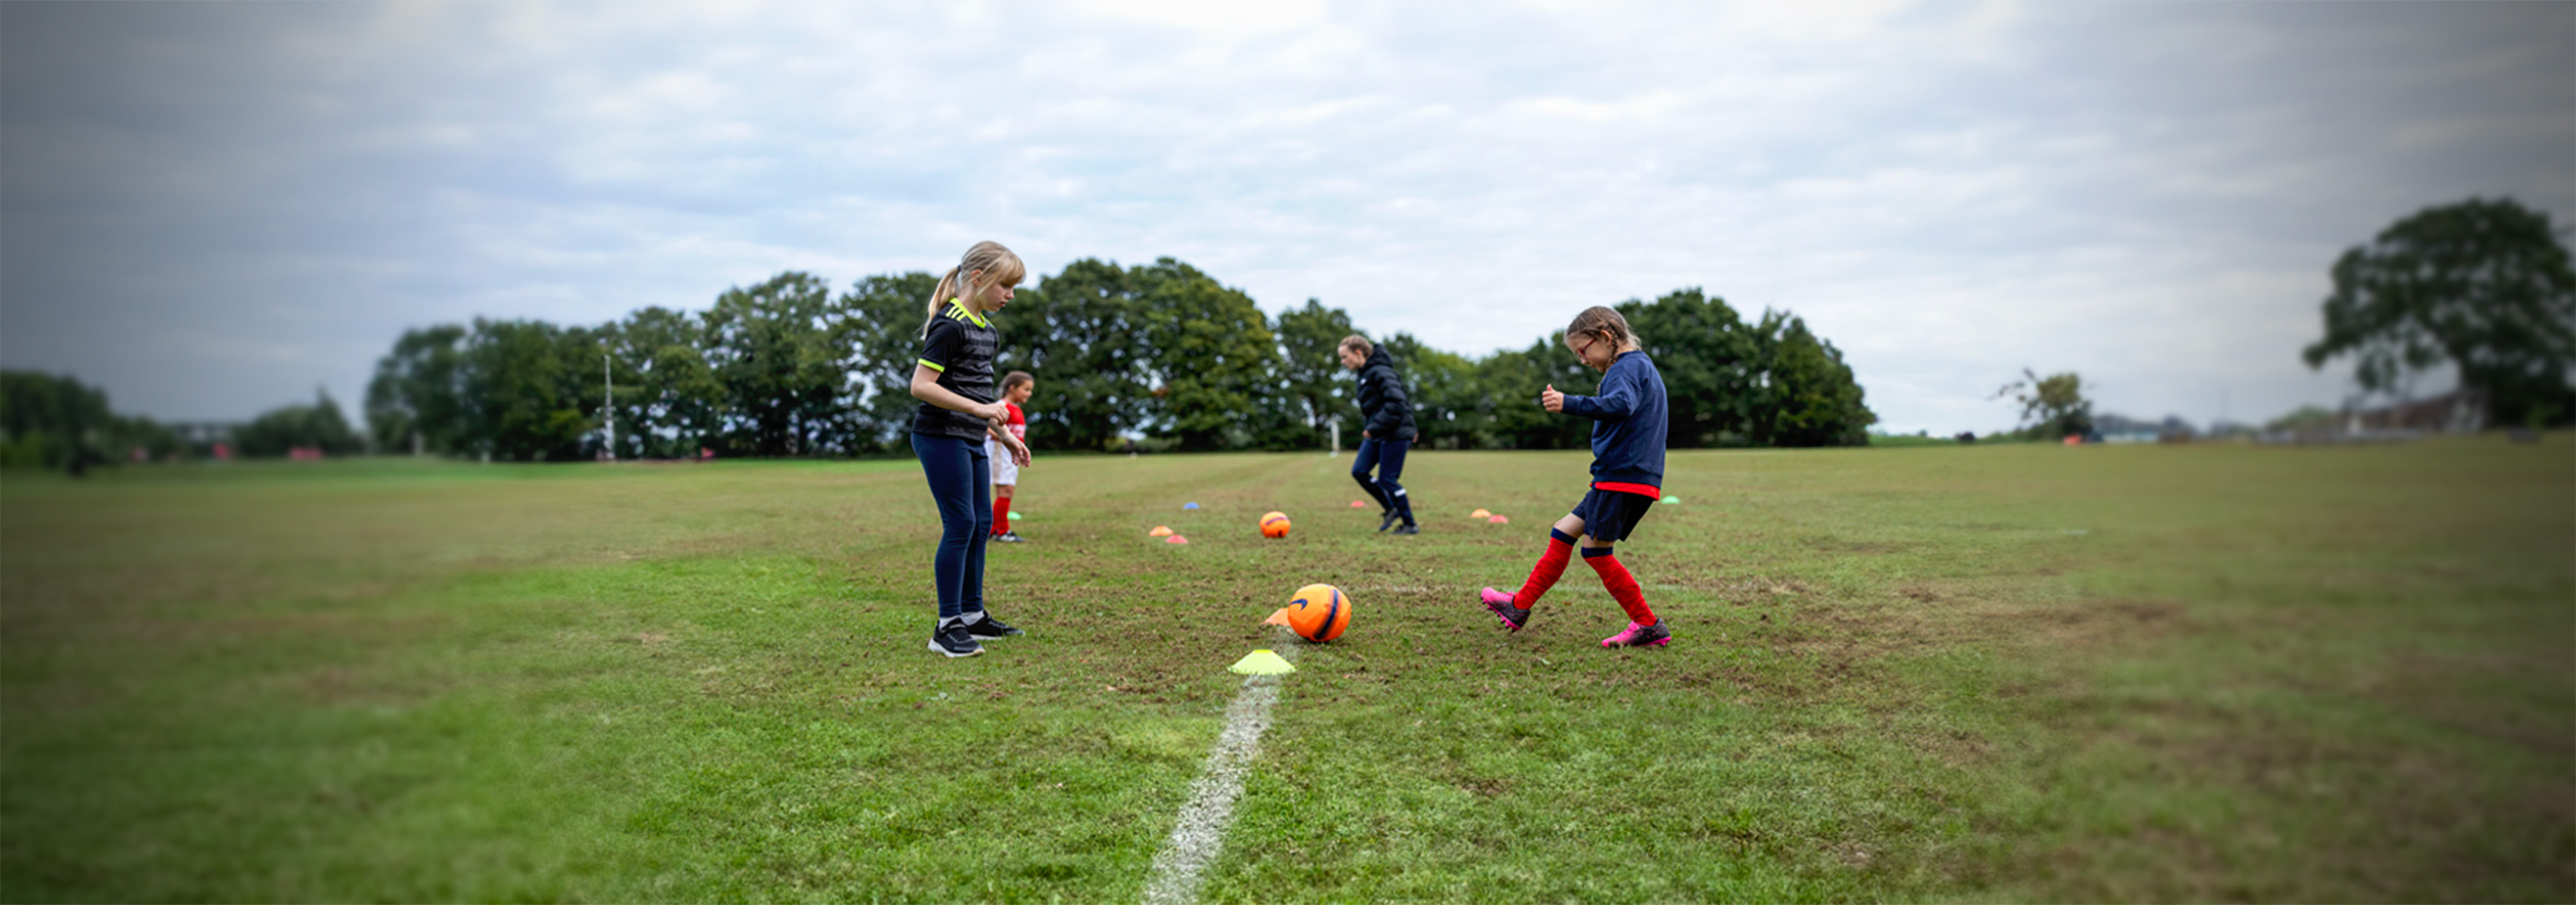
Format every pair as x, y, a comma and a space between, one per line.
1200, 833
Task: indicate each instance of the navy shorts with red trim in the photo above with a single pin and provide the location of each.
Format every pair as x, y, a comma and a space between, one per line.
1608, 515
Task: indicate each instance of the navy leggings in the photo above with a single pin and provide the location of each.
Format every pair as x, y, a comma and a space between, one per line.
1387, 456
960, 479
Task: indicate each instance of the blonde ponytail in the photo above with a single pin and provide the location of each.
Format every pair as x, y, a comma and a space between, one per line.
1000, 268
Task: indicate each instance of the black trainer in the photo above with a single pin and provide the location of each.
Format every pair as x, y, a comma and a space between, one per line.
953, 641
1408, 528
1010, 537
1388, 521
989, 627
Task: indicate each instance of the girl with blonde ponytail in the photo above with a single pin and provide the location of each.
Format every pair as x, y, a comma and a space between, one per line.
960, 410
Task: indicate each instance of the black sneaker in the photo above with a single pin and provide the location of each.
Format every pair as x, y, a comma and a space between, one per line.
1010, 537
1408, 528
953, 641
989, 627
1387, 522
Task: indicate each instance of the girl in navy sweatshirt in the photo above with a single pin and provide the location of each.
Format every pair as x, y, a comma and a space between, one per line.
1627, 477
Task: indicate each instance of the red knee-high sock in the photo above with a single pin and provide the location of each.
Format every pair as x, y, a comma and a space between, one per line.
1551, 564
1002, 515
1623, 586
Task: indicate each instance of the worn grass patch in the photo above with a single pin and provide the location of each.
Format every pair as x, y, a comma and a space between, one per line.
2018, 672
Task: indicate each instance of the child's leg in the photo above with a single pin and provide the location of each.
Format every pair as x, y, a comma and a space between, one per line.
1390, 466
970, 595
944, 462
1551, 564
1623, 587
1361, 462
1001, 508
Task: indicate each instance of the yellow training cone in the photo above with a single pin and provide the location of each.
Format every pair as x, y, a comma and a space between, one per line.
1263, 663
1480, 514
1160, 531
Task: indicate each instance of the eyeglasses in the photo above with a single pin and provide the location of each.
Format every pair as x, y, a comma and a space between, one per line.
1587, 347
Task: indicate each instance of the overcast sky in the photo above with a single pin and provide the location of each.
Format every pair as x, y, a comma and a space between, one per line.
212, 208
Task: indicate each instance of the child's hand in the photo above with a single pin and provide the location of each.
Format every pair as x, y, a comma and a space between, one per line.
1019, 454
1551, 400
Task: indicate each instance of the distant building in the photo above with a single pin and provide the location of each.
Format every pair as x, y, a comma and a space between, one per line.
2455, 412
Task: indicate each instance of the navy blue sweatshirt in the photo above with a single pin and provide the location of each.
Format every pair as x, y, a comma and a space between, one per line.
1628, 444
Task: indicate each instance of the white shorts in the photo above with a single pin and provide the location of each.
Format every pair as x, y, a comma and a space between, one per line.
1004, 472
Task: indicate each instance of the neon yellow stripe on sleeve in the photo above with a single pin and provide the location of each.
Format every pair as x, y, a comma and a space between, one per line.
926, 363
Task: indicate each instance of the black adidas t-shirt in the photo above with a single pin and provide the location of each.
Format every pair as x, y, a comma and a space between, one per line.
960, 347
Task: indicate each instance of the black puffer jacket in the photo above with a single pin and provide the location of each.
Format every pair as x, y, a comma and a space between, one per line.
1384, 412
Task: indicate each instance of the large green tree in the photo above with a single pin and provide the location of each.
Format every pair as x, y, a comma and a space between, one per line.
1085, 334
880, 333
317, 426
531, 390
2484, 286
775, 349
2052, 407
1808, 396
1214, 361
1317, 387
47, 420
669, 403
418, 394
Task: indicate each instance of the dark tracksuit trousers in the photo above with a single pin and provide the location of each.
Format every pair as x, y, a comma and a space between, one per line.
960, 474
1387, 456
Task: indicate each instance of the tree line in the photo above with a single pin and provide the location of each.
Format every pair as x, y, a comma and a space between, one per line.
56, 421
1163, 351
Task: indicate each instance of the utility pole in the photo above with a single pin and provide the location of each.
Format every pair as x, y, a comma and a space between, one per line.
608, 404
1337, 440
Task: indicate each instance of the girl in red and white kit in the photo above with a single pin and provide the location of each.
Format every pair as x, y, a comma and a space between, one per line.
1016, 387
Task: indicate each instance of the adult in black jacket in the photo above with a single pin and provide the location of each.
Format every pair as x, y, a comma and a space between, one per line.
1386, 431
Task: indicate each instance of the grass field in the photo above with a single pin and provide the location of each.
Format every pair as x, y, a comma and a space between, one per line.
2022, 672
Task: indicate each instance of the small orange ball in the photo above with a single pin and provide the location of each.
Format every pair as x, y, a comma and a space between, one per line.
1274, 524
1319, 612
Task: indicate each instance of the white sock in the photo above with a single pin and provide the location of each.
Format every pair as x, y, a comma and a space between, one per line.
972, 617
945, 622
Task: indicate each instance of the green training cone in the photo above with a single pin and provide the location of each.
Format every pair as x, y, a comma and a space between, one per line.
1263, 663
1672, 499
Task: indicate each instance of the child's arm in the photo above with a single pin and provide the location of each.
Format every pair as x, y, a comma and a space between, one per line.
1019, 451
925, 387
1617, 401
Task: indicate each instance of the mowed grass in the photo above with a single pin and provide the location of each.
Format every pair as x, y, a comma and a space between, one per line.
2021, 672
